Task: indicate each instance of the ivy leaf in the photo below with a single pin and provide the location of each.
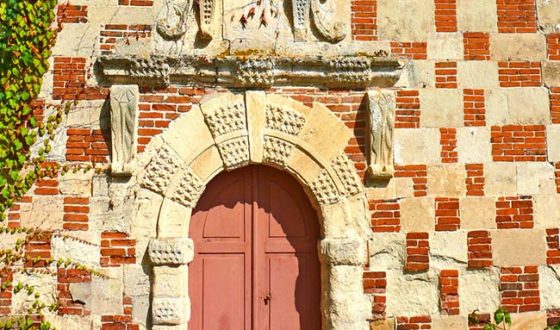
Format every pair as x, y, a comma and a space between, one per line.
499, 315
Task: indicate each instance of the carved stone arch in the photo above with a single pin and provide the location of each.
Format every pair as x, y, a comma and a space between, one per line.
228, 131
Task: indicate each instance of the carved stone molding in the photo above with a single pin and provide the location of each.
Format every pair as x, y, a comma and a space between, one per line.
171, 251
124, 122
232, 71
381, 125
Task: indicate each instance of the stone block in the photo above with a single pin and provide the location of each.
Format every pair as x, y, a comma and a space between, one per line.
44, 284
441, 108
406, 20
107, 293
530, 320
518, 46
450, 323
518, 106
77, 40
549, 285
530, 177
343, 251
478, 289
70, 322
136, 279
447, 180
478, 213
417, 74
88, 113
445, 46
77, 250
477, 74
387, 251
448, 249
473, 145
417, 146
553, 142
477, 16
45, 212
171, 251
171, 281
417, 214
173, 220
412, 294
548, 13
546, 210
78, 183
519, 247
551, 73
500, 179
170, 310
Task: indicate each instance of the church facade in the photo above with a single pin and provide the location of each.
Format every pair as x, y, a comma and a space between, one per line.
303, 164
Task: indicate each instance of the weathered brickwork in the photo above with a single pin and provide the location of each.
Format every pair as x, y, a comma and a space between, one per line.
446, 75
517, 16
385, 215
474, 107
375, 284
555, 105
446, 15
519, 289
414, 322
412, 50
479, 245
418, 173
447, 214
117, 249
76, 213
69, 81
448, 138
449, 291
86, 145
142, 3
407, 112
553, 243
112, 33
64, 277
514, 212
7, 276
476, 46
553, 46
517, 143
475, 179
364, 20
519, 74
417, 252
71, 14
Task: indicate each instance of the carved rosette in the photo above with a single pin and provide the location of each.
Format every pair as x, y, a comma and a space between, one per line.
161, 169
324, 189
171, 251
255, 73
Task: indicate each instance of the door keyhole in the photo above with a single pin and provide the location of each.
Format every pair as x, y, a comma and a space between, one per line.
267, 299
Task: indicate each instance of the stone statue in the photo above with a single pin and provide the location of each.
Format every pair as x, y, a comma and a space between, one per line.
381, 124
124, 118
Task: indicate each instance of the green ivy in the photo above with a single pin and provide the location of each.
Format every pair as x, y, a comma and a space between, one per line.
26, 39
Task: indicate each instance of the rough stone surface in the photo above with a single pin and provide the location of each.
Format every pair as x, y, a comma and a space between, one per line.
107, 293
420, 292
549, 284
413, 27
417, 214
447, 180
477, 15
518, 46
478, 290
551, 73
553, 142
501, 179
530, 177
441, 108
448, 249
417, 146
478, 213
477, 74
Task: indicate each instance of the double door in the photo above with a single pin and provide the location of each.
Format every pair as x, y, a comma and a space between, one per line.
255, 266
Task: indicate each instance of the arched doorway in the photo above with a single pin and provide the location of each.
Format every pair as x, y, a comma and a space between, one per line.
256, 266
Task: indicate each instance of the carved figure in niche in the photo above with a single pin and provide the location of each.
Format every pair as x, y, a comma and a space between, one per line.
381, 124
124, 112
172, 19
330, 17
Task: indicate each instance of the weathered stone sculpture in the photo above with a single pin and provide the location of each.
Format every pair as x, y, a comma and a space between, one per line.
381, 124
172, 19
124, 118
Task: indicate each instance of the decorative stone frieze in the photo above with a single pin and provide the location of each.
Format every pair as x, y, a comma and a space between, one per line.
233, 71
171, 251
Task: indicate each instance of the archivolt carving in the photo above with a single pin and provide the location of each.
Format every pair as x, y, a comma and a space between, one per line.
235, 152
161, 169
226, 119
188, 189
171, 251
276, 151
283, 119
324, 189
347, 174
169, 310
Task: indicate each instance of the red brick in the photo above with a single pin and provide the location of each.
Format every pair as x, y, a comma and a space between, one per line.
476, 46
517, 16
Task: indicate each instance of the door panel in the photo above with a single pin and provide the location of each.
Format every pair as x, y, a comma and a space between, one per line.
256, 264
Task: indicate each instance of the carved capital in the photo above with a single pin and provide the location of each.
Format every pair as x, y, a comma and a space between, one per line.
343, 251
170, 310
171, 251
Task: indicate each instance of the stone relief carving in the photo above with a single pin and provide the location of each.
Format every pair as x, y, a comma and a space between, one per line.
188, 189
285, 120
169, 310
255, 72
226, 119
161, 169
124, 120
331, 17
276, 151
235, 152
381, 123
172, 19
346, 172
171, 251
324, 189
207, 10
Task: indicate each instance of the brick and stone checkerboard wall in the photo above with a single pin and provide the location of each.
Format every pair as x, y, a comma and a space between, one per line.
470, 220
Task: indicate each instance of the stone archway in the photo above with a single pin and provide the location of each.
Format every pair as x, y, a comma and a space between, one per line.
228, 131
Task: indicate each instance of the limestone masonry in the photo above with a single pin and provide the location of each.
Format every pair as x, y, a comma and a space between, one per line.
426, 134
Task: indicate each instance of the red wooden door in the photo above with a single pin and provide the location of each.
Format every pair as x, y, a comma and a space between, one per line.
256, 266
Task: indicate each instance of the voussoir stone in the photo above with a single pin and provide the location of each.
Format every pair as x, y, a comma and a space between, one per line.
174, 251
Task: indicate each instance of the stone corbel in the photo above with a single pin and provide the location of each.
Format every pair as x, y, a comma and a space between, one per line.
124, 122
343, 251
171, 251
381, 125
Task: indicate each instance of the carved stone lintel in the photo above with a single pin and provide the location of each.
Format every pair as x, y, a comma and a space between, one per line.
343, 251
124, 121
171, 251
381, 123
232, 71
